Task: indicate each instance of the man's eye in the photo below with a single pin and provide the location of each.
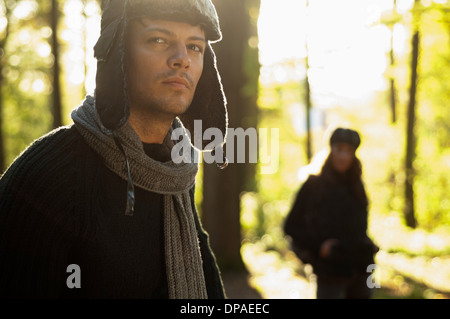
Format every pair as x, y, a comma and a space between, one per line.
156, 40
196, 48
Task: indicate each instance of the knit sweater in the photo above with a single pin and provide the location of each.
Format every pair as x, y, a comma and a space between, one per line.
61, 206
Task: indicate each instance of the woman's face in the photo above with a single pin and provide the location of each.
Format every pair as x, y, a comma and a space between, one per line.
342, 156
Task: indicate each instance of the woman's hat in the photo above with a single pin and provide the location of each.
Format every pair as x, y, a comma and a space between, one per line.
348, 136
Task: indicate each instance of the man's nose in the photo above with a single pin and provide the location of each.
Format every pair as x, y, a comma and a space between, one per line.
180, 58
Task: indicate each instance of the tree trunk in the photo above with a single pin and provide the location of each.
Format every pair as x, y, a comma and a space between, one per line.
393, 101
411, 139
393, 90
57, 103
85, 66
3, 43
2, 138
101, 3
308, 104
222, 188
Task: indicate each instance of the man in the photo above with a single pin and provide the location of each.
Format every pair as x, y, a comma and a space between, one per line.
98, 209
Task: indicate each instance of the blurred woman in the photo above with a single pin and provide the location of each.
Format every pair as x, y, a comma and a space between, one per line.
328, 223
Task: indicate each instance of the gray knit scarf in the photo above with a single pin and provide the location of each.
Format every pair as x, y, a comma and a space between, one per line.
184, 268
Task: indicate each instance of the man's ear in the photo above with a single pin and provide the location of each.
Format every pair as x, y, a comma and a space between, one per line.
209, 103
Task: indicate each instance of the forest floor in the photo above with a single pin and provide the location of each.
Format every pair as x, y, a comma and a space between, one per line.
273, 276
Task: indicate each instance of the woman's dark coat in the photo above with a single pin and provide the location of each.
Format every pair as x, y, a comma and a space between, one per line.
328, 207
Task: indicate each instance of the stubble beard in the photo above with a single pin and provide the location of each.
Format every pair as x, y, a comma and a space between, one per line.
165, 109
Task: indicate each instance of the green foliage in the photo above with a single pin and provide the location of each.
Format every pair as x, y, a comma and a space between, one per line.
27, 86
433, 164
27, 72
382, 152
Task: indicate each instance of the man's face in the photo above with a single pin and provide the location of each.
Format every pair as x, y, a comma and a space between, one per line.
164, 65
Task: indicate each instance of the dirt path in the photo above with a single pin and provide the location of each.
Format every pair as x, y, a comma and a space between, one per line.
269, 278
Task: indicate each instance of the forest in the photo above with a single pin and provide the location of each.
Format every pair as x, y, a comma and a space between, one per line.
300, 68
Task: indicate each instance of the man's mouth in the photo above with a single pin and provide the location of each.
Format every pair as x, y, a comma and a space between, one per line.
178, 82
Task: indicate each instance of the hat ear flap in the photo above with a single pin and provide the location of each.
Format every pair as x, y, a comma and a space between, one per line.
111, 104
106, 41
209, 103
110, 94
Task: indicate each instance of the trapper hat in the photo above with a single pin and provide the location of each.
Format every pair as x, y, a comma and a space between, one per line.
209, 103
348, 136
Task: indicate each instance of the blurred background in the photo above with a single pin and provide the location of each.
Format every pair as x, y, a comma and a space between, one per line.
304, 67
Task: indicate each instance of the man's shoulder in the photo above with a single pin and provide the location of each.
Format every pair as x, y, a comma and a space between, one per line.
65, 135
50, 151
43, 176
